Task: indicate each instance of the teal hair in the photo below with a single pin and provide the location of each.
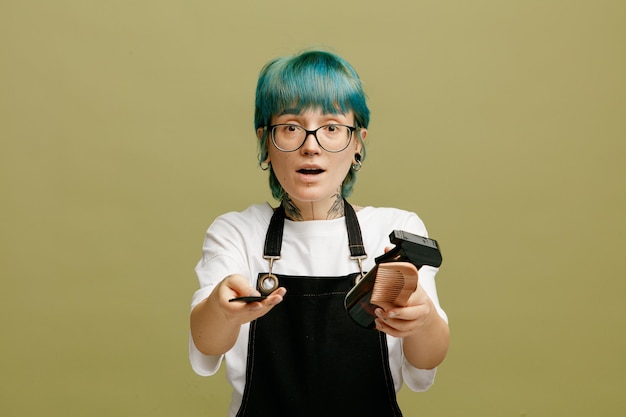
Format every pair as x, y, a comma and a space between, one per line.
310, 80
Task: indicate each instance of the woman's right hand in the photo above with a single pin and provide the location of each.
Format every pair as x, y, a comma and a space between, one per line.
236, 285
215, 321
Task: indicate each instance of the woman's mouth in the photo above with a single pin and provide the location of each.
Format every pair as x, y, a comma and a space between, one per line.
310, 171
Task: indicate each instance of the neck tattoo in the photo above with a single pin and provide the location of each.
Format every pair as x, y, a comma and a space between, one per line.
336, 210
293, 212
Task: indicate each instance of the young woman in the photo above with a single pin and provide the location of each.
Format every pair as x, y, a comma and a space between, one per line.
297, 352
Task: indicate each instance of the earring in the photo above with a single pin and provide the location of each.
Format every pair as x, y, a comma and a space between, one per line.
359, 164
266, 166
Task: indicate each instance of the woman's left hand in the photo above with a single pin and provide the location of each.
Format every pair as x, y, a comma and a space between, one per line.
426, 334
409, 320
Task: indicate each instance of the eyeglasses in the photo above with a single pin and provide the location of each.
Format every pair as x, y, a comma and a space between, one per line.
331, 138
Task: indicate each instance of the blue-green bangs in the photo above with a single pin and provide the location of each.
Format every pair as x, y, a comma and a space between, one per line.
314, 79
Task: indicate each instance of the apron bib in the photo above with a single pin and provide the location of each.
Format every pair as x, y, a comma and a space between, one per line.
306, 357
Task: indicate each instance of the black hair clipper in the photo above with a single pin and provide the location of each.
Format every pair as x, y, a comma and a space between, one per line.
386, 286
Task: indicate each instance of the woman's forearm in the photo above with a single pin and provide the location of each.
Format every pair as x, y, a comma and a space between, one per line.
211, 332
426, 348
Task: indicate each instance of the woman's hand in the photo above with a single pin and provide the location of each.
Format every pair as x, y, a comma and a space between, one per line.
426, 334
234, 286
215, 322
405, 321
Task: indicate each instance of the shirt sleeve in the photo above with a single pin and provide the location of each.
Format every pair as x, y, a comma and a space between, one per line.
418, 380
203, 365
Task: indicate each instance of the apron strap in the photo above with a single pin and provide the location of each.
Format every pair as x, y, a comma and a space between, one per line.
274, 237
357, 250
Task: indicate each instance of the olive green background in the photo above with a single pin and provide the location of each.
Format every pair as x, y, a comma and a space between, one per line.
126, 127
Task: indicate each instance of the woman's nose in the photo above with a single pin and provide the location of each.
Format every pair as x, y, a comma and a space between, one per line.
311, 145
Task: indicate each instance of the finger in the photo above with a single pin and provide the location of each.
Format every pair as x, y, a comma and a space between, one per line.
275, 297
239, 286
393, 328
401, 313
397, 322
262, 307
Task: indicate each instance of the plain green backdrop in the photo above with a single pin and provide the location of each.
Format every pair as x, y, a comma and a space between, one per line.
126, 127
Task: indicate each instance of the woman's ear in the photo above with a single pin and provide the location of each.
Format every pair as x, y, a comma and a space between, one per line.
259, 134
362, 132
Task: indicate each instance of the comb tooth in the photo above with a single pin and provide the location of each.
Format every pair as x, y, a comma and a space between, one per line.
394, 284
388, 285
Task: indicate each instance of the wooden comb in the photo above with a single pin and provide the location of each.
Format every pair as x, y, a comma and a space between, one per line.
394, 284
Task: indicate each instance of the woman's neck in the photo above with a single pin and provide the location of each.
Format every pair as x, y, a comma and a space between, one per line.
314, 210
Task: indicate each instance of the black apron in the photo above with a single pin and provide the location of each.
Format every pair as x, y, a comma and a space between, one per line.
306, 357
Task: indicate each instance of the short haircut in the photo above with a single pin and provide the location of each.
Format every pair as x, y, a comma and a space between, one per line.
309, 80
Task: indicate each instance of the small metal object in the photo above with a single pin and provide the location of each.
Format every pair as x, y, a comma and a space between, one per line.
359, 259
267, 283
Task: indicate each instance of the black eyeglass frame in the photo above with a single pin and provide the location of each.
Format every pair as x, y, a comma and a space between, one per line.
313, 132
